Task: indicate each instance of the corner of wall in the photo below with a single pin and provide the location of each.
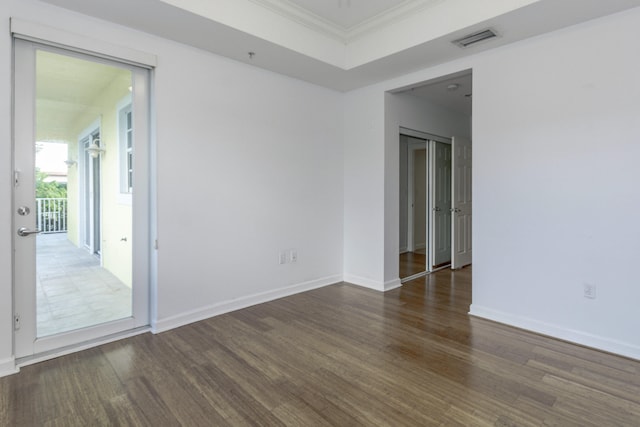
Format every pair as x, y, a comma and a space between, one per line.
8, 367
372, 284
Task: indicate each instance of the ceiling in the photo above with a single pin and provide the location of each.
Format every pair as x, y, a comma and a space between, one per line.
344, 44
452, 92
345, 14
68, 88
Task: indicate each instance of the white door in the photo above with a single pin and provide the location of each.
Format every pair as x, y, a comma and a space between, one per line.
65, 292
461, 209
441, 203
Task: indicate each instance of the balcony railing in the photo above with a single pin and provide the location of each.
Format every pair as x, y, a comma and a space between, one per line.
51, 215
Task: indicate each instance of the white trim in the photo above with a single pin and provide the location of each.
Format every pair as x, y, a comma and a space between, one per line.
51, 36
8, 367
414, 277
319, 24
424, 135
122, 198
571, 335
52, 343
37, 358
83, 214
364, 282
440, 268
412, 147
390, 285
373, 284
207, 312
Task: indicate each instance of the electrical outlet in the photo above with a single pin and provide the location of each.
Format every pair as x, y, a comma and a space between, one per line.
283, 257
590, 291
293, 256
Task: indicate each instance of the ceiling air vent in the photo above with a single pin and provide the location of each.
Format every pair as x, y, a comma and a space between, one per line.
476, 37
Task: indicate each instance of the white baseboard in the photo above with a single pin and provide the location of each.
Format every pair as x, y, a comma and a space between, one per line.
207, 312
392, 284
419, 246
571, 335
8, 367
364, 282
373, 284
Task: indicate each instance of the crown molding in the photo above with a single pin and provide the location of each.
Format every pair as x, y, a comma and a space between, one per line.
315, 22
388, 17
304, 17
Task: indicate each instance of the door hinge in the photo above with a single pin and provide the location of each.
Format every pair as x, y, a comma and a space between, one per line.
16, 321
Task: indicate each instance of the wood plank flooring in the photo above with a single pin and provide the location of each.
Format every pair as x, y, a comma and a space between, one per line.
336, 356
412, 263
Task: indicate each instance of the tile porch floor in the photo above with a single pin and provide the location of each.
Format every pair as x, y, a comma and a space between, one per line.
73, 291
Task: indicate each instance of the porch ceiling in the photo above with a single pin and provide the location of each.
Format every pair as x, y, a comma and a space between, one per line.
67, 89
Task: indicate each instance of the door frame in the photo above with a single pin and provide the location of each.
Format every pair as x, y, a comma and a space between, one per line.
27, 347
430, 139
412, 147
86, 211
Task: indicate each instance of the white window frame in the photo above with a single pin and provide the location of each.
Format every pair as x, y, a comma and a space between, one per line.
125, 191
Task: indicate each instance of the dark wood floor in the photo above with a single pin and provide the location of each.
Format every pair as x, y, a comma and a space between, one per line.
340, 356
412, 263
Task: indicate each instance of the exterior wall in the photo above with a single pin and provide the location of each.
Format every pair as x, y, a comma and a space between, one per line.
116, 214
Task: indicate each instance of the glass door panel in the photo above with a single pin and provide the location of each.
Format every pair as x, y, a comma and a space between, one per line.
81, 136
83, 270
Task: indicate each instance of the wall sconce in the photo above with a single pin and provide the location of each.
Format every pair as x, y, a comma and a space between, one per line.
94, 149
70, 163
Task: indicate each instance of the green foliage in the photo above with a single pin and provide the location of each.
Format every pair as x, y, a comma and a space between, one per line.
49, 190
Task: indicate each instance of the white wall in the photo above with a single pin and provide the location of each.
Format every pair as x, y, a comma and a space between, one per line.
556, 195
555, 182
372, 159
249, 163
364, 188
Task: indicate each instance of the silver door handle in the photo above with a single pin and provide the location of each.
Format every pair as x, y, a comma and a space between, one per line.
24, 231
437, 209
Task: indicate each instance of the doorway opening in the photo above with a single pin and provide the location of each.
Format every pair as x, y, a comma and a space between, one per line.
76, 276
425, 203
435, 175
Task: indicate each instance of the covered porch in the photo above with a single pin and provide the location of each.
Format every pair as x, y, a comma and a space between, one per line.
73, 290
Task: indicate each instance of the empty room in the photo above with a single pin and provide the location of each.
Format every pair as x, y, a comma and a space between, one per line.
319, 212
